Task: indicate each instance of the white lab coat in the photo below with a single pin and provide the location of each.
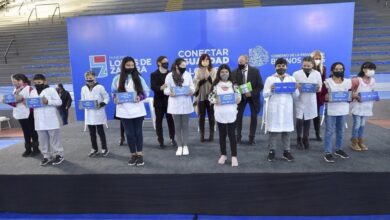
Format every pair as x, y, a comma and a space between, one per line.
306, 103
179, 105
47, 118
21, 111
95, 116
280, 116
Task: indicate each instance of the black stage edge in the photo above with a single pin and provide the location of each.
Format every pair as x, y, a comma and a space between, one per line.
222, 194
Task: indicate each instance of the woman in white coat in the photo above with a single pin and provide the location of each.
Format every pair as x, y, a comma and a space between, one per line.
280, 119
95, 118
306, 103
180, 106
47, 121
24, 115
131, 114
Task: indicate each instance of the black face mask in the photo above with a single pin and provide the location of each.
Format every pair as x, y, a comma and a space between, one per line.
165, 65
39, 87
241, 66
306, 70
338, 74
281, 71
89, 81
129, 70
182, 70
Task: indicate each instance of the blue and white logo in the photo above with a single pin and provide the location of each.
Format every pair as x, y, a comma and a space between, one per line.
98, 64
258, 56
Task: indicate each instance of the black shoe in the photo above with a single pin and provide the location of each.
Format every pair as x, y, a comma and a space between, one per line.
299, 143
305, 142
93, 153
318, 136
173, 143
341, 154
44, 162
35, 153
58, 160
105, 152
202, 138
121, 141
140, 160
287, 156
133, 160
328, 158
271, 156
162, 146
26, 153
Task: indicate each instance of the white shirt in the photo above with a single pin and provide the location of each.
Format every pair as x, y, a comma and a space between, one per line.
179, 105
95, 116
21, 111
224, 113
306, 103
363, 108
280, 116
337, 108
47, 118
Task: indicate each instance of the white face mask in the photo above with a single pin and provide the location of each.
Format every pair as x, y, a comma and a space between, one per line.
370, 73
317, 62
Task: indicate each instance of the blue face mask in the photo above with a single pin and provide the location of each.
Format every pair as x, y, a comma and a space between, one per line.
224, 77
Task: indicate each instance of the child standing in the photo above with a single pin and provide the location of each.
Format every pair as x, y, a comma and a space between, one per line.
95, 118
47, 121
225, 115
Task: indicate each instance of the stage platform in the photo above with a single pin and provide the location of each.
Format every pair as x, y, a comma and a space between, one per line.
196, 184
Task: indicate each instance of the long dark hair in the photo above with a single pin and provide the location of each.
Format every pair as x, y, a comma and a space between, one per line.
177, 77
135, 76
20, 76
366, 65
218, 76
203, 57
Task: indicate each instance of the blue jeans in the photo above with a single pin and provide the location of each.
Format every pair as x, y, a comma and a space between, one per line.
334, 124
133, 130
358, 126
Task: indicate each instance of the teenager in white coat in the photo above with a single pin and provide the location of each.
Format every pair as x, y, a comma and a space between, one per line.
280, 118
24, 115
95, 118
180, 106
47, 121
131, 114
306, 103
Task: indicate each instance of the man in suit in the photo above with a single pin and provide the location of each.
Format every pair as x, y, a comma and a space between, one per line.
244, 74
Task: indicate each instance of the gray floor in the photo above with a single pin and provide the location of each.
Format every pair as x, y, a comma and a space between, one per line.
202, 159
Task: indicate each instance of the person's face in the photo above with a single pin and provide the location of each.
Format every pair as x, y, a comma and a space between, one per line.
281, 66
129, 65
39, 82
242, 60
206, 62
183, 65
16, 83
307, 65
224, 74
338, 68
165, 60
90, 78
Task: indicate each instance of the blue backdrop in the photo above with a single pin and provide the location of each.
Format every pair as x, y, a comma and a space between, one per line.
265, 33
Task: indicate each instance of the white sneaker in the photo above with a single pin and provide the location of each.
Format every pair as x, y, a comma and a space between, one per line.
185, 150
179, 151
234, 162
222, 159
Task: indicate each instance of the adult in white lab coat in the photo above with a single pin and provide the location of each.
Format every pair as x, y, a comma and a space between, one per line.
280, 118
95, 118
47, 121
306, 103
131, 114
180, 106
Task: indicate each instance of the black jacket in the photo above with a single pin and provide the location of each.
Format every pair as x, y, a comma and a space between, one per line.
255, 79
66, 99
157, 79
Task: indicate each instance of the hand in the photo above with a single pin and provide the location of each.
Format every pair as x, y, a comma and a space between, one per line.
327, 97
163, 87
190, 93
318, 88
298, 86
137, 99
171, 94
45, 101
248, 94
272, 88
238, 100
18, 98
217, 102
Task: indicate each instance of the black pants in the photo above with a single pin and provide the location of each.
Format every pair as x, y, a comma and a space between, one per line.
102, 135
122, 130
303, 126
240, 115
64, 115
317, 121
29, 133
203, 107
160, 112
134, 136
227, 130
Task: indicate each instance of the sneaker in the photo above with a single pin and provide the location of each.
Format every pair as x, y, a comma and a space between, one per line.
93, 153
179, 151
140, 160
222, 159
173, 143
341, 154
105, 152
57, 160
287, 156
185, 150
328, 158
26, 153
35, 153
234, 162
133, 160
271, 156
44, 162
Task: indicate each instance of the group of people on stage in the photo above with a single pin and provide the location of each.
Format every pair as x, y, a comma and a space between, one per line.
221, 93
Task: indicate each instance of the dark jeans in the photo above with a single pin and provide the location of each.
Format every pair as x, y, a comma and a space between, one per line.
203, 107
64, 115
160, 112
29, 133
133, 129
240, 115
303, 126
122, 130
92, 133
317, 121
227, 130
